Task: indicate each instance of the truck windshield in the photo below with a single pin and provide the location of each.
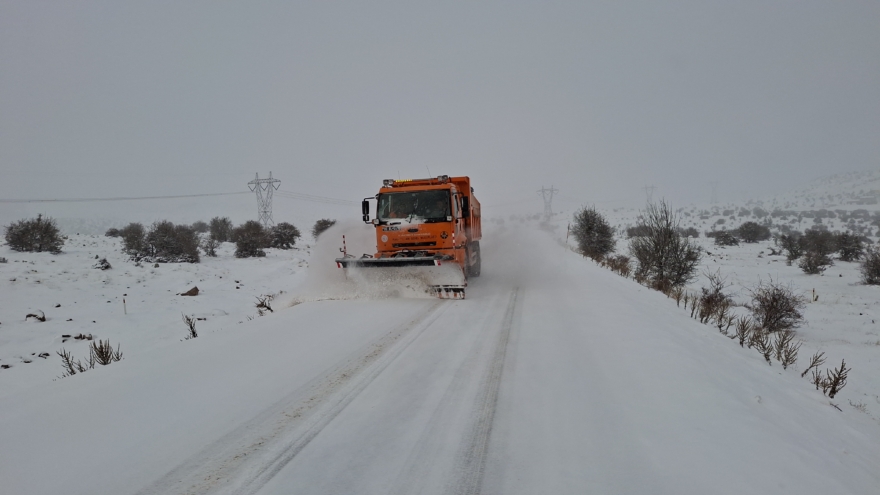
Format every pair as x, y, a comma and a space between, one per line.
422, 206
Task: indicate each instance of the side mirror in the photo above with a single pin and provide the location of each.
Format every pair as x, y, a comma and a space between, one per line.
365, 211
465, 206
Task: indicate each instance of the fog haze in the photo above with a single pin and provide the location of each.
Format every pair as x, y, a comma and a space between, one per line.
600, 99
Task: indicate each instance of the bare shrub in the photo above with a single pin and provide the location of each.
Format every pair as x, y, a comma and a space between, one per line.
663, 258
793, 246
209, 245
221, 229
199, 227
752, 232
71, 366
760, 341
743, 326
593, 234
102, 264
250, 239
785, 348
35, 235
725, 238
814, 262
263, 304
619, 264
871, 267
190, 322
283, 235
322, 225
776, 307
818, 359
112, 232
101, 352
714, 303
833, 381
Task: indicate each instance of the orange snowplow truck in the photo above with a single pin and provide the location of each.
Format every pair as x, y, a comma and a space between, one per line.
427, 229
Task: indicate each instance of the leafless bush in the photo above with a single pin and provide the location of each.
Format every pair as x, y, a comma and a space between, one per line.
871, 267
792, 245
832, 381
743, 326
760, 341
190, 322
818, 359
263, 304
619, 264
714, 303
70, 365
594, 236
663, 258
786, 348
209, 246
678, 294
101, 352
814, 262
776, 307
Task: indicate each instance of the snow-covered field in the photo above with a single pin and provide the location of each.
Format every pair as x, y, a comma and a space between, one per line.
554, 376
78, 299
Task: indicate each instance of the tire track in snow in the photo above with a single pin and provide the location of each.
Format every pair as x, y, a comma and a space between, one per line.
244, 460
472, 458
465, 412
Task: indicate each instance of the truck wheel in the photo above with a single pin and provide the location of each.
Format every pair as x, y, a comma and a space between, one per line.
475, 268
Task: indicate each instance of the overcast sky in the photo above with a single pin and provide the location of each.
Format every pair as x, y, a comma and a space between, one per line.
599, 99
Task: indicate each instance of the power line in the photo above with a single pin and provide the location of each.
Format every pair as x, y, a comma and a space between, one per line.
120, 198
285, 194
313, 198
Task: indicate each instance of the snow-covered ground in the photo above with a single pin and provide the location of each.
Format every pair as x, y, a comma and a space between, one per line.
78, 299
554, 376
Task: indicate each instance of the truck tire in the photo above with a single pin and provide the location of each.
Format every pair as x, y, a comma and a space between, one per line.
475, 268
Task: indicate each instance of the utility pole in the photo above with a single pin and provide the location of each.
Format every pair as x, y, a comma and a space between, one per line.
714, 192
649, 193
547, 194
264, 202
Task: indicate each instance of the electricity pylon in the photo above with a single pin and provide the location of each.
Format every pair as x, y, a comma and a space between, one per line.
547, 194
264, 201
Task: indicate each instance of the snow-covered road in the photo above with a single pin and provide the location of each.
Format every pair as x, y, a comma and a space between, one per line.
554, 376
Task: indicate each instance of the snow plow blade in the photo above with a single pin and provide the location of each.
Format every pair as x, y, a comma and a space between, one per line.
442, 277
